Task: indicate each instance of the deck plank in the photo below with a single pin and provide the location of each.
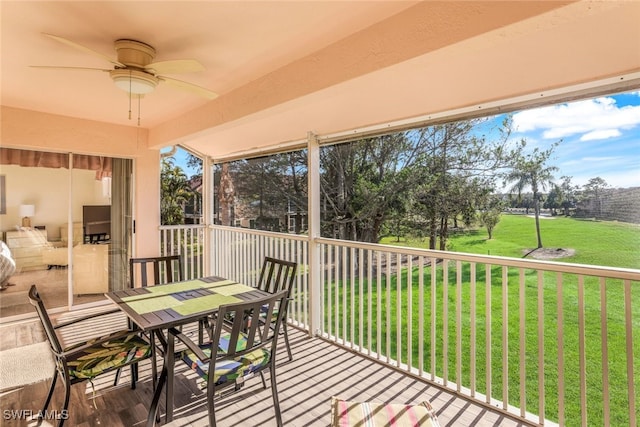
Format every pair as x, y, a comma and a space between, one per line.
318, 371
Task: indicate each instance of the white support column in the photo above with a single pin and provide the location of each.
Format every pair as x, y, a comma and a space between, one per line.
313, 177
207, 212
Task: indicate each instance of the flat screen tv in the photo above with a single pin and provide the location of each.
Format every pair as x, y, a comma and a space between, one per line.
96, 221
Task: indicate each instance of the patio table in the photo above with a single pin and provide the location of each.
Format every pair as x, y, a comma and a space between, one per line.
156, 308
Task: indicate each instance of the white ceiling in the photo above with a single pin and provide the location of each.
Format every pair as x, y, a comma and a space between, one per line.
285, 68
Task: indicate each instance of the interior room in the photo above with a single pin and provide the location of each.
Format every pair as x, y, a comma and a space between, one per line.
41, 228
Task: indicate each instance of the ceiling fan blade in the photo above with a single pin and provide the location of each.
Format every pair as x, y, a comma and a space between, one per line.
55, 67
84, 49
190, 87
175, 66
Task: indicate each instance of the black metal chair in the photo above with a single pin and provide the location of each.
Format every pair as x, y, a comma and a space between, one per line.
277, 275
165, 269
78, 362
241, 346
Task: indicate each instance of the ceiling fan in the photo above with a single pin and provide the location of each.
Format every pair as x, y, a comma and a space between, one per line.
134, 70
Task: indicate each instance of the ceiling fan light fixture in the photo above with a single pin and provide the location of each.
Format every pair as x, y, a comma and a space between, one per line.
133, 81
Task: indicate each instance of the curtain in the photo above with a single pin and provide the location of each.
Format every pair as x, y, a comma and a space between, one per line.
121, 222
42, 159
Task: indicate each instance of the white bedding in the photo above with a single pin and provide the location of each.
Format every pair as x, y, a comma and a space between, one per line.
7, 264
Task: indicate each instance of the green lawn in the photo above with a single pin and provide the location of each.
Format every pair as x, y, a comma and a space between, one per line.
602, 243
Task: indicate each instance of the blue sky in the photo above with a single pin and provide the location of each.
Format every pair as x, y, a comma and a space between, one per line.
600, 138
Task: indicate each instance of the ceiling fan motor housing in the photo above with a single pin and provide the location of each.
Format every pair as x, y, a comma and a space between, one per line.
133, 53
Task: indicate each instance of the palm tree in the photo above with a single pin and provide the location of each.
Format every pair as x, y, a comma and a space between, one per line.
531, 170
175, 192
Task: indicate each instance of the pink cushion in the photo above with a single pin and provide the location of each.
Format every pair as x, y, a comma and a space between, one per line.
370, 414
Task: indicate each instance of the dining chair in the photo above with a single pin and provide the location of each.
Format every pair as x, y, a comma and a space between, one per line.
155, 270
241, 346
277, 275
88, 359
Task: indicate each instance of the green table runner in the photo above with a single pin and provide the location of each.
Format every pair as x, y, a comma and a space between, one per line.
203, 303
139, 296
148, 305
172, 288
216, 284
232, 289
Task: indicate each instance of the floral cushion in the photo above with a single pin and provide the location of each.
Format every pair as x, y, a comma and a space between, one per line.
227, 370
263, 313
107, 355
369, 414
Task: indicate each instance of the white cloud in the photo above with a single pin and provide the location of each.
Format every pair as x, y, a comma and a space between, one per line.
591, 119
600, 134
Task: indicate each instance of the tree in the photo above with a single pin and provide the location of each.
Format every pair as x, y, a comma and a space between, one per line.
433, 177
552, 201
226, 195
174, 192
531, 170
568, 195
267, 192
363, 182
592, 192
489, 215
562, 196
458, 169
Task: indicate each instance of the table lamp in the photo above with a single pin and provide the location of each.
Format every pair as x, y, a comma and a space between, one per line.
26, 212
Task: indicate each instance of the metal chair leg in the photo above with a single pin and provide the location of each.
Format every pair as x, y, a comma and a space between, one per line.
264, 383
286, 340
65, 406
115, 381
134, 375
212, 411
274, 393
49, 396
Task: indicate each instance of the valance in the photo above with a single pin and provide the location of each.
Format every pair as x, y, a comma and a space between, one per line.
44, 159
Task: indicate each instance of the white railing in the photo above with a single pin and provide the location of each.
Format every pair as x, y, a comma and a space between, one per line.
568, 352
188, 242
238, 253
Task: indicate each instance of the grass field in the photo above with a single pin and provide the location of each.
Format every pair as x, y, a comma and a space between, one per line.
598, 243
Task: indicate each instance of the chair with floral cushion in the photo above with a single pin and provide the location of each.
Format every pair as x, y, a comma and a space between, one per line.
151, 271
277, 275
241, 347
86, 360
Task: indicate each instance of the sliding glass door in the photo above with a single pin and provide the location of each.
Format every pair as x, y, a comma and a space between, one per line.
67, 223
101, 208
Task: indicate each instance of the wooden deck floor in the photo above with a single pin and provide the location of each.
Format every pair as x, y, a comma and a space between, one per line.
319, 370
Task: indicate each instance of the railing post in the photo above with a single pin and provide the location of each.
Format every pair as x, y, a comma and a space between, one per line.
313, 203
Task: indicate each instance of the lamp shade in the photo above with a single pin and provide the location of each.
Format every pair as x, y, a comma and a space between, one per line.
27, 210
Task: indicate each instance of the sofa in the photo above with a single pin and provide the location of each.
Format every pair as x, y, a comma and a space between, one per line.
90, 269
57, 253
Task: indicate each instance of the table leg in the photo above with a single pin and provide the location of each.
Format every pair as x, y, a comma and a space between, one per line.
168, 363
158, 383
154, 368
153, 410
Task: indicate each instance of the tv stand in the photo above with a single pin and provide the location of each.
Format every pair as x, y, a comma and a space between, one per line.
96, 238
